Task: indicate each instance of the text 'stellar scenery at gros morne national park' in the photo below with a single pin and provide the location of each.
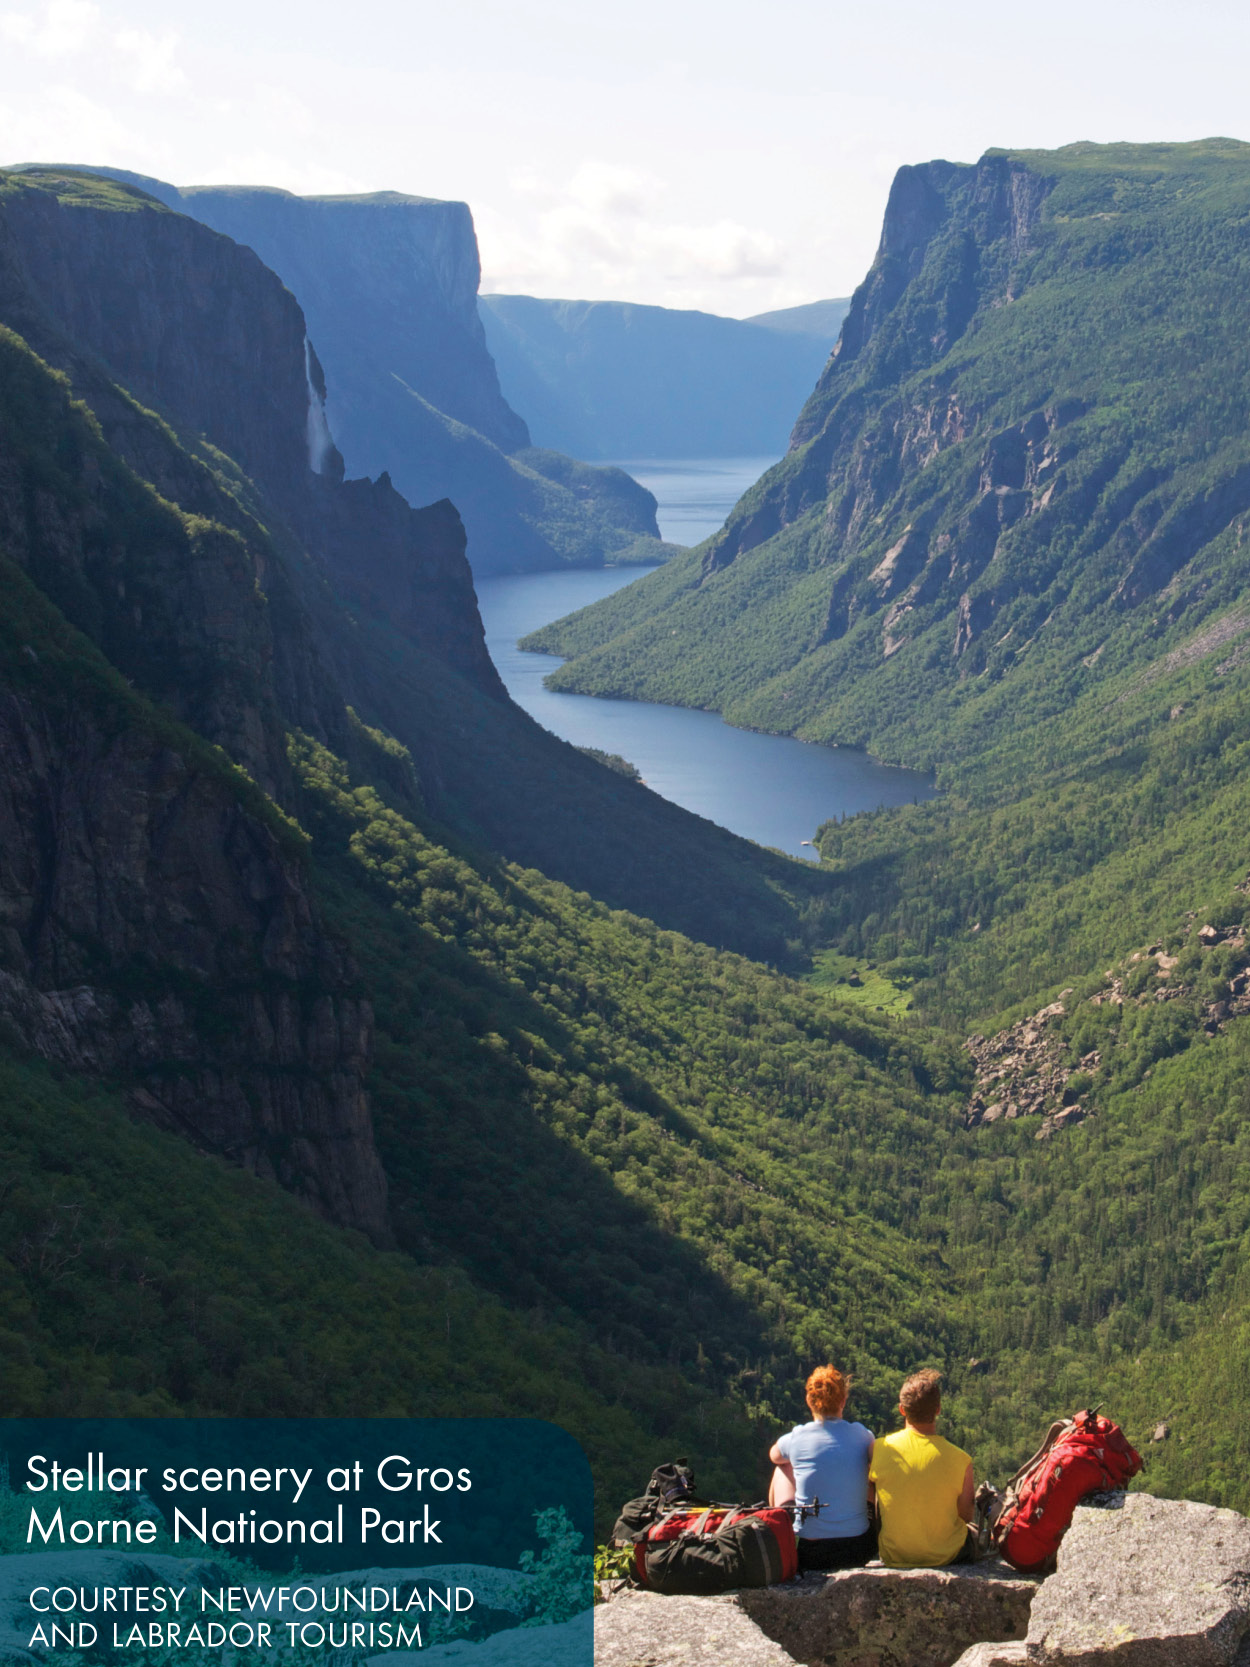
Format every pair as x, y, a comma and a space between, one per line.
614, 868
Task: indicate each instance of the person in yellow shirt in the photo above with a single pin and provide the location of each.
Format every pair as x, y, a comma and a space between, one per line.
924, 1485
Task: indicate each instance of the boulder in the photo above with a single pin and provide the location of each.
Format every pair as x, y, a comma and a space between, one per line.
1145, 1582
643, 1629
879, 1617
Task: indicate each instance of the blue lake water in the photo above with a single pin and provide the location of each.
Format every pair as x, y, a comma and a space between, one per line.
695, 494
768, 788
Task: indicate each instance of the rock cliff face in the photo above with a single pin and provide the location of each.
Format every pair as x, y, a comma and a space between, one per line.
187, 321
381, 269
181, 319
156, 932
388, 284
950, 239
158, 922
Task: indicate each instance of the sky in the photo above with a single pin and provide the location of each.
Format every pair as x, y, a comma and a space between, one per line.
732, 156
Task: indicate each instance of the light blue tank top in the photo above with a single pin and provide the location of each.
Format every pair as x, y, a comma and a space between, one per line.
830, 1463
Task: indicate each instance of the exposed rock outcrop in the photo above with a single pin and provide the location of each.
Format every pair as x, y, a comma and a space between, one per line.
155, 931
641, 1629
892, 1617
1031, 1069
1023, 1071
873, 1617
994, 1655
1146, 1583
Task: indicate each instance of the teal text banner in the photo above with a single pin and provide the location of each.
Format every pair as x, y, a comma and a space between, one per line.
190, 1541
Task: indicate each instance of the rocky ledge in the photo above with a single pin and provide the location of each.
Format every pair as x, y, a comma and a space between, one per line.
873, 1617
1141, 1582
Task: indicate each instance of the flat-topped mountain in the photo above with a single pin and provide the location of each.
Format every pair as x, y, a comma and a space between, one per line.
613, 379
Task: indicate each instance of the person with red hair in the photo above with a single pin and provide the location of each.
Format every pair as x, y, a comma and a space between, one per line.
826, 1461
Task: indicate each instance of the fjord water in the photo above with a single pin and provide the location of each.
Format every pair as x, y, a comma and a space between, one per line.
769, 788
694, 494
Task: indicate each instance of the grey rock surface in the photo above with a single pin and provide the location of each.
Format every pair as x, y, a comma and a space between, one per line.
879, 1617
643, 1629
874, 1617
994, 1655
1146, 1582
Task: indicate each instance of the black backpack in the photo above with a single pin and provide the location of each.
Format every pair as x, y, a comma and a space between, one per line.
686, 1546
671, 1485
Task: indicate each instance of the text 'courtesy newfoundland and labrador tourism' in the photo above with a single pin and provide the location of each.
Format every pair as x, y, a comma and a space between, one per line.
351, 1536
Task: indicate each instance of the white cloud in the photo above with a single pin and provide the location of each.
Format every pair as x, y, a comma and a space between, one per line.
605, 233
149, 60
56, 122
62, 28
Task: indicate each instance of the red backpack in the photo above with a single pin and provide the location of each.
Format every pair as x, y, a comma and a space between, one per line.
703, 1552
1081, 1455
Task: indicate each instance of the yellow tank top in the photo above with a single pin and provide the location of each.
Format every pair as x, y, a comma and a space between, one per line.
919, 1479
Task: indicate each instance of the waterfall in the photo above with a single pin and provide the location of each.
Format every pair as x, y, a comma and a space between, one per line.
320, 440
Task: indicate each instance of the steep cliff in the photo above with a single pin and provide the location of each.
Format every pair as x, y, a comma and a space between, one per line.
388, 284
1011, 481
159, 931
158, 923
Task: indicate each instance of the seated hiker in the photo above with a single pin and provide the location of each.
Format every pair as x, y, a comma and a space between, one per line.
827, 1460
924, 1485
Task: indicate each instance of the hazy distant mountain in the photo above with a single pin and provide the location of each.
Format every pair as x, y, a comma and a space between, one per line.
814, 318
611, 379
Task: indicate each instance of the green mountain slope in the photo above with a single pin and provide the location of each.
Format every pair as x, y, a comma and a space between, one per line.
1008, 543
1013, 481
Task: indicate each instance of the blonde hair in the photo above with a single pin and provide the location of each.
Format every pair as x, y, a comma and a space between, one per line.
921, 1396
827, 1389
